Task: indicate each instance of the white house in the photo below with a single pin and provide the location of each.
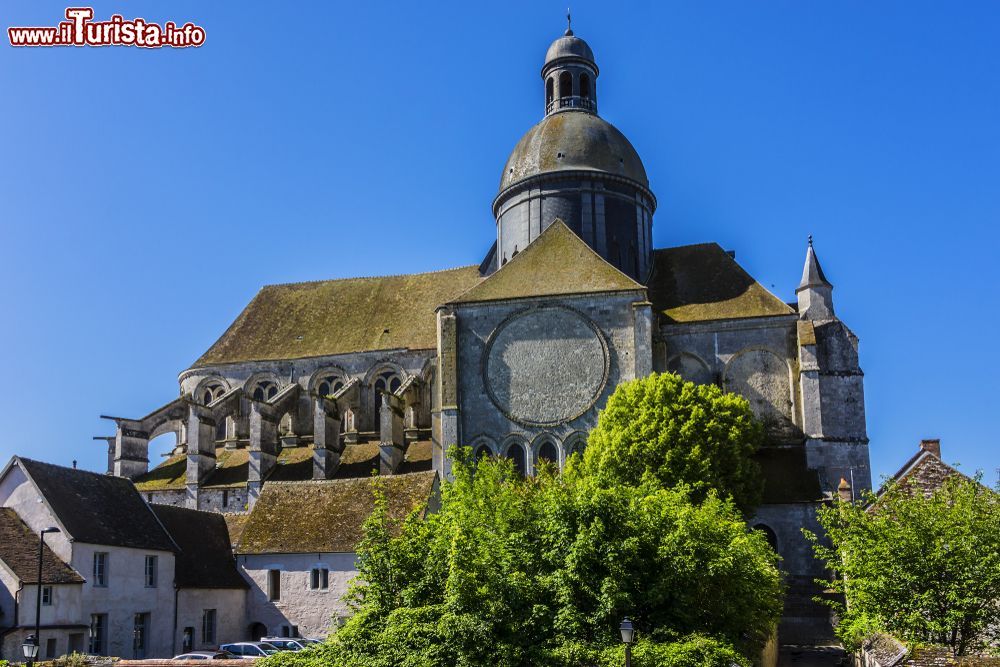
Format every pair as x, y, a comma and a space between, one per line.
297, 547
118, 578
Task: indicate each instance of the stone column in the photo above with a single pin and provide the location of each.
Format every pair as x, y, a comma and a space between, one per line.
446, 420
200, 450
326, 438
642, 317
263, 446
391, 443
131, 449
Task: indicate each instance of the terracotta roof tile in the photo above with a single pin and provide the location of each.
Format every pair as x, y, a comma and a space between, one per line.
19, 552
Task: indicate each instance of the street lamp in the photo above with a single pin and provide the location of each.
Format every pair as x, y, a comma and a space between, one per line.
628, 634
30, 648
33, 640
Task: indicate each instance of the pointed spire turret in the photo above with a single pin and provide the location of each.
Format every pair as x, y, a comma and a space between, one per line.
815, 293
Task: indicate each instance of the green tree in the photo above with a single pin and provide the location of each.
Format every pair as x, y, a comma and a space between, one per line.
923, 567
541, 572
677, 432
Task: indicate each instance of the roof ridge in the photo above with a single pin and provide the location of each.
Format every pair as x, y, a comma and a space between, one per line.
102, 475
381, 277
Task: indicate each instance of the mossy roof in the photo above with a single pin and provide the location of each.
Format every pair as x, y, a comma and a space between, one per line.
331, 317
329, 513
702, 282
204, 558
294, 464
558, 262
235, 523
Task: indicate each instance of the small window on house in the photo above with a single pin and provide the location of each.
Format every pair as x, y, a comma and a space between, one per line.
98, 634
225, 497
319, 578
187, 643
274, 585
151, 562
285, 632
46, 596
295, 631
208, 626
100, 569
149, 497
50, 647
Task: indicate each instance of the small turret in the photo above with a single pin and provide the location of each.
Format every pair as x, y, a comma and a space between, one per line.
815, 293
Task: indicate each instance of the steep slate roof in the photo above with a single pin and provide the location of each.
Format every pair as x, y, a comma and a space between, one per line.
557, 262
702, 282
98, 509
236, 522
329, 317
19, 552
329, 513
205, 557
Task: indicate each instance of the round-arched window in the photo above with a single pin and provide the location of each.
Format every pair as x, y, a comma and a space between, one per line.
330, 385
483, 451
772, 539
518, 456
212, 392
547, 454
264, 390
386, 381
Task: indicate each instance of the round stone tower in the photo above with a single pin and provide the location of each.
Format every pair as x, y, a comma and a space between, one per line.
577, 167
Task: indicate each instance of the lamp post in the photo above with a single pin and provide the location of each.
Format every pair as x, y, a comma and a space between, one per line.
34, 639
628, 634
30, 648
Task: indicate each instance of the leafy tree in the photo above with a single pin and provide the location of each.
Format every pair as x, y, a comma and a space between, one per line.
541, 572
678, 432
923, 567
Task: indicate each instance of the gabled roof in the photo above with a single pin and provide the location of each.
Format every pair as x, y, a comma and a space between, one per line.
19, 552
924, 471
330, 317
204, 558
329, 514
558, 262
97, 509
698, 283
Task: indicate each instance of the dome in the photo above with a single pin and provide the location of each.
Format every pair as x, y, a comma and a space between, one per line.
570, 141
568, 46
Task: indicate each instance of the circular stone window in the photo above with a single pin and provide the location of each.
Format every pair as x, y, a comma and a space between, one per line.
545, 366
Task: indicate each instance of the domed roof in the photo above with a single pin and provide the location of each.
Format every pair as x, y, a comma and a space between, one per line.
573, 140
569, 46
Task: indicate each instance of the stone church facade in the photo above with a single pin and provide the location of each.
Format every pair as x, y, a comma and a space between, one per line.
516, 356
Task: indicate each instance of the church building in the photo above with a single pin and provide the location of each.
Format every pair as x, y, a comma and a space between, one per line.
515, 355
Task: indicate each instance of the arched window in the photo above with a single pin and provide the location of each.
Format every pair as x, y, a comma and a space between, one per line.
386, 381
212, 392
585, 86
483, 451
517, 454
264, 390
576, 448
549, 92
547, 454
330, 385
565, 85
772, 539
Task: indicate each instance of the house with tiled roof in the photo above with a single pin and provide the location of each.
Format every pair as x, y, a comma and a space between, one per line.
516, 355
297, 547
119, 577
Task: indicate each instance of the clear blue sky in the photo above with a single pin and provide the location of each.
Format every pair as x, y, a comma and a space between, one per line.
146, 195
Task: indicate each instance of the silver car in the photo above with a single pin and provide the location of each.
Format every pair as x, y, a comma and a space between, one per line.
249, 650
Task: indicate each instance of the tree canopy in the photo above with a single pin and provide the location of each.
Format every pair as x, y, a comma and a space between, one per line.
678, 432
541, 571
923, 567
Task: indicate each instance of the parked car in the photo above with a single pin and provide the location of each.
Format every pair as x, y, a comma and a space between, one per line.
249, 649
291, 643
205, 655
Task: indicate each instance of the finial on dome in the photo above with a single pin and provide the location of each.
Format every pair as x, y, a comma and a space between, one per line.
810, 240
569, 24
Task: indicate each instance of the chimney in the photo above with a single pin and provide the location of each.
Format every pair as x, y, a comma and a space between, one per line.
844, 491
932, 446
